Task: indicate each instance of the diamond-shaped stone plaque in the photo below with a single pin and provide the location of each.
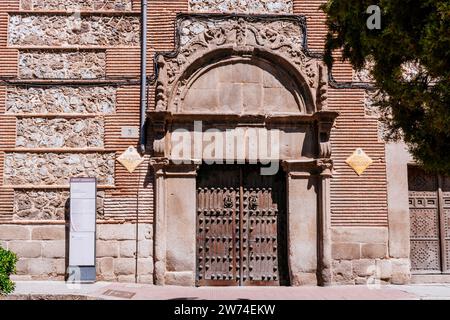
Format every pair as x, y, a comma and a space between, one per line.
130, 159
359, 161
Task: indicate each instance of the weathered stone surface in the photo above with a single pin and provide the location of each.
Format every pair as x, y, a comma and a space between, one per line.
105, 266
127, 249
346, 251
75, 4
57, 169
145, 248
54, 249
46, 204
401, 271
59, 266
107, 249
384, 268
26, 249
145, 266
359, 234
126, 278
342, 271
183, 278
116, 232
373, 250
242, 6
124, 266
61, 100
124, 231
364, 268
22, 266
48, 233
10, 232
42, 267
145, 279
40, 205
62, 65
59, 133
63, 30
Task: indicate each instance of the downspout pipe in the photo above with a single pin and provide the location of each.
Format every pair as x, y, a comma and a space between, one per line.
143, 91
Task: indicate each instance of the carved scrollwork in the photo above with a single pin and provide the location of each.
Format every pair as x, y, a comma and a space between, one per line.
201, 35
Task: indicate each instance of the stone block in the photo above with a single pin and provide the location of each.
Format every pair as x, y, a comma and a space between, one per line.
41, 267
148, 279
384, 268
145, 231
107, 249
364, 267
180, 278
116, 231
246, 73
59, 266
12, 232
124, 266
251, 98
202, 99
359, 234
48, 233
25, 249
346, 251
230, 96
342, 271
304, 279
105, 266
127, 249
54, 249
145, 266
373, 250
401, 271
126, 278
22, 266
145, 248
4, 244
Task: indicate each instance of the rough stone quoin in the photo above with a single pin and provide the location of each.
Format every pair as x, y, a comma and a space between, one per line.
45, 30
59, 133
62, 65
76, 4
56, 169
242, 6
60, 99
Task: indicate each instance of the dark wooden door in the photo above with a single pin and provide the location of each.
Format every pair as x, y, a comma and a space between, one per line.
429, 206
241, 225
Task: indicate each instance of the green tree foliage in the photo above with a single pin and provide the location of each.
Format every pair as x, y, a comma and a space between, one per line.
416, 108
7, 267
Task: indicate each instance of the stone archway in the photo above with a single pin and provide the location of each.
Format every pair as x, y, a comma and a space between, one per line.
241, 77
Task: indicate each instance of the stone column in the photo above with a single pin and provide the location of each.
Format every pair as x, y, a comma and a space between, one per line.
302, 221
159, 256
325, 258
180, 224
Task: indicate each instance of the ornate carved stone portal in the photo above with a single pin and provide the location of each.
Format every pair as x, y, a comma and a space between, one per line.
241, 89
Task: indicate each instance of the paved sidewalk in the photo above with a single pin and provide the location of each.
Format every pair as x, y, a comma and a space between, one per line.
108, 290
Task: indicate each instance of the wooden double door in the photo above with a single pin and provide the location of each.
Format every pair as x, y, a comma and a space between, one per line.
429, 208
241, 227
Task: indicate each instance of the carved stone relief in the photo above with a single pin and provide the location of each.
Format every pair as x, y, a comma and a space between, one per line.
280, 40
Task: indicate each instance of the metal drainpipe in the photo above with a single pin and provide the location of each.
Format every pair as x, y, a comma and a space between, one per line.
143, 93
143, 105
